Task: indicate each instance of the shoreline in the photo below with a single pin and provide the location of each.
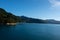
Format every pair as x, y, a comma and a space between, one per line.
11, 23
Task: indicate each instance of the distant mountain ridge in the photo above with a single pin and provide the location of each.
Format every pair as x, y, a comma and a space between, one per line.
33, 20
7, 17
52, 21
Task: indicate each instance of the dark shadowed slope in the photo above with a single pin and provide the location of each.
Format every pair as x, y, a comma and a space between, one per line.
7, 17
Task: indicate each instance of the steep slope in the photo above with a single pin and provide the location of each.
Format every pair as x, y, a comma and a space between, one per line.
6, 17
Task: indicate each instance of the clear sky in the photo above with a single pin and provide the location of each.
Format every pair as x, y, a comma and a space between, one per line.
42, 9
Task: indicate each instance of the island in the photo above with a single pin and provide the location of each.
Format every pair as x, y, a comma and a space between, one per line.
7, 18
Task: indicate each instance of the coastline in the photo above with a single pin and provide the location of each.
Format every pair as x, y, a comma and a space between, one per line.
11, 23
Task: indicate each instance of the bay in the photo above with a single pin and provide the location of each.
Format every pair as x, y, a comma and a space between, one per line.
30, 31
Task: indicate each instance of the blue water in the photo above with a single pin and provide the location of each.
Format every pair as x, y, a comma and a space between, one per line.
26, 31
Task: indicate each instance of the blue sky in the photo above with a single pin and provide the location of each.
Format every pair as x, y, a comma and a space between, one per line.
42, 9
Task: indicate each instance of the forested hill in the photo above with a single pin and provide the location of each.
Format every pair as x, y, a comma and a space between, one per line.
7, 17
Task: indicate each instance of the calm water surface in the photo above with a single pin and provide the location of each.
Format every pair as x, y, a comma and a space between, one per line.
28, 31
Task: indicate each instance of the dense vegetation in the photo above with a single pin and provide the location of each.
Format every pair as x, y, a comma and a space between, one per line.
7, 17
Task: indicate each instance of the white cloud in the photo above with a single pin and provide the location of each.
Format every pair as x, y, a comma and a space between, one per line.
55, 3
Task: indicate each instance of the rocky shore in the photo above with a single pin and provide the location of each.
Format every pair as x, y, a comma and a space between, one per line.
11, 23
